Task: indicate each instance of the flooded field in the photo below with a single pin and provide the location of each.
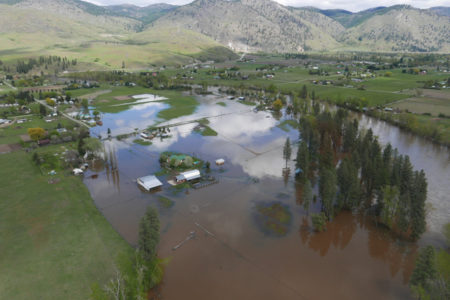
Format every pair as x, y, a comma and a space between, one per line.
231, 255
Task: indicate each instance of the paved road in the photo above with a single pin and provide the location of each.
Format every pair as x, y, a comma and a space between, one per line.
13, 87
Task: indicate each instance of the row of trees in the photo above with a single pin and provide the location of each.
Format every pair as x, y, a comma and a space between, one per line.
26, 66
355, 172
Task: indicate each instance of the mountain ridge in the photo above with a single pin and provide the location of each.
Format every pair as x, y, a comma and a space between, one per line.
204, 28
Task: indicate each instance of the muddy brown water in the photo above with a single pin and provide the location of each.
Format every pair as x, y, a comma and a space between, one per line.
230, 256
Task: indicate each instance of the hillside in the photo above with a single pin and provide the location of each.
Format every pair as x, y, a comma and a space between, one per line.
264, 25
77, 11
96, 36
253, 25
107, 37
441, 10
401, 29
145, 14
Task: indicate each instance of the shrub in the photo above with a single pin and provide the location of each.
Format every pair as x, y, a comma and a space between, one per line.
319, 221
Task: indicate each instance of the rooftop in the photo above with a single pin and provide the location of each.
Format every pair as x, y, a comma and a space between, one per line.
149, 182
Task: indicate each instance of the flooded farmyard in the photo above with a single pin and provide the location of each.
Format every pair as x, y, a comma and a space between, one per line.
217, 244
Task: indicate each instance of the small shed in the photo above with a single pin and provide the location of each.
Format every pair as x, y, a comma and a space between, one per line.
188, 176
220, 161
149, 182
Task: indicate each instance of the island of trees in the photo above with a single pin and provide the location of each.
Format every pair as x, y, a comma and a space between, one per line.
354, 172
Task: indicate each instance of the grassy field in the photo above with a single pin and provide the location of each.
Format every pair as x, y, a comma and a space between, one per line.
180, 105
421, 105
380, 90
11, 134
443, 124
54, 241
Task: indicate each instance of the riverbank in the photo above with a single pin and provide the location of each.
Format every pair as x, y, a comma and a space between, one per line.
55, 242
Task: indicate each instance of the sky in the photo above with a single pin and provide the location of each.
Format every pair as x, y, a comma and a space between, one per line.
352, 5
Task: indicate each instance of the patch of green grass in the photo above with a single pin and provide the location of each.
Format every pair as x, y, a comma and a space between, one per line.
203, 121
124, 136
207, 131
222, 104
142, 142
180, 105
249, 103
420, 105
288, 123
165, 202
55, 242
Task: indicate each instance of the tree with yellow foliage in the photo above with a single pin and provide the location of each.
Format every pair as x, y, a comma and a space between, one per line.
277, 105
50, 101
36, 133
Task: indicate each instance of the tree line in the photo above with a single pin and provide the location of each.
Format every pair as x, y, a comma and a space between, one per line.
24, 66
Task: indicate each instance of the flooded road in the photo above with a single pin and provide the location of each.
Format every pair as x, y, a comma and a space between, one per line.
231, 256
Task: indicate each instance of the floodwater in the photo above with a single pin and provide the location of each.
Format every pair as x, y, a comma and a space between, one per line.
230, 256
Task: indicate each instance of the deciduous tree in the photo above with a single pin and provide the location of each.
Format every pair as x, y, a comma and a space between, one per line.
36, 133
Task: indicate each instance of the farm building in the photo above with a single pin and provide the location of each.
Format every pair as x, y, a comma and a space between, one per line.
149, 182
220, 161
188, 176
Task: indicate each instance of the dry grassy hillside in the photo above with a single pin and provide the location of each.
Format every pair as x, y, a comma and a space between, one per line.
403, 29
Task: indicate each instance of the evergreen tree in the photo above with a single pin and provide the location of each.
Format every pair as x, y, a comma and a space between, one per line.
389, 203
307, 196
327, 190
80, 147
406, 176
418, 198
42, 110
350, 134
287, 151
303, 159
403, 212
425, 269
304, 92
348, 183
